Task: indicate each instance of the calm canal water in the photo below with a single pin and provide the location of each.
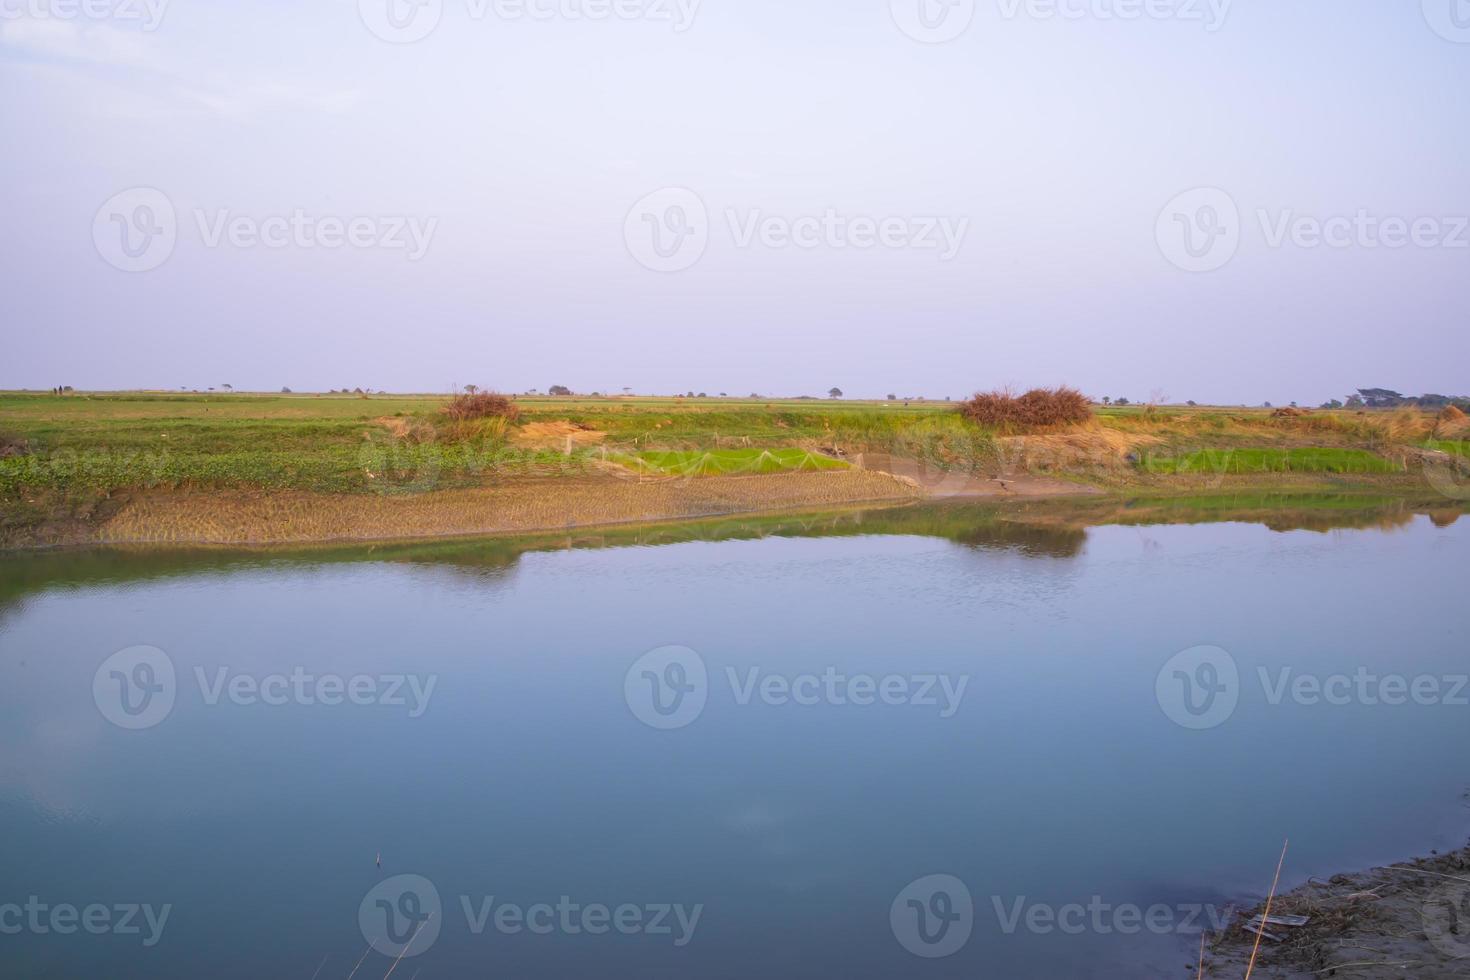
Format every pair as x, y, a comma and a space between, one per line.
933, 742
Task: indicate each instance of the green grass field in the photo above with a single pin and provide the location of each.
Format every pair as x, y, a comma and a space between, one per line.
1451, 446
100, 442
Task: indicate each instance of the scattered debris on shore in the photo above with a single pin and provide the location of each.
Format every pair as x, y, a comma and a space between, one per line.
1409, 920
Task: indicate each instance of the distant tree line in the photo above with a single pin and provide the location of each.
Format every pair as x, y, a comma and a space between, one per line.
1388, 398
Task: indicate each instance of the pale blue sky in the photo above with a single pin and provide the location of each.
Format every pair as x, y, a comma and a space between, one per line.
525, 142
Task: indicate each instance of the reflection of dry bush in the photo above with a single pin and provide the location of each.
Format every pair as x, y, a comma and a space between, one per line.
1037, 408
482, 405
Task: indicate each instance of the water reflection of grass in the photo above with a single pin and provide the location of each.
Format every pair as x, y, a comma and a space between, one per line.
1041, 528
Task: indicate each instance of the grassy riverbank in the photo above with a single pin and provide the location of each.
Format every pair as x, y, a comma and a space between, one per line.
342, 461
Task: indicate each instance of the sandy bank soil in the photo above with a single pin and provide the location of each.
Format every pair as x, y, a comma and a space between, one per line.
937, 483
1410, 920
223, 517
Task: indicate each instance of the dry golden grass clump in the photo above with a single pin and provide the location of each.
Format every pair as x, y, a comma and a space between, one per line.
481, 405
1405, 425
1037, 408
1451, 422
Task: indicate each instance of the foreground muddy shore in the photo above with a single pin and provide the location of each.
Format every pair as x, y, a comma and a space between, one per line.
1410, 920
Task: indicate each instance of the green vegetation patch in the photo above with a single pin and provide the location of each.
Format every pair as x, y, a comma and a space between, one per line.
1291, 460
1451, 446
727, 462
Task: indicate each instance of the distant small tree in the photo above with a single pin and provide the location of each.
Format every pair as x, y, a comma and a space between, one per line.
471, 389
1190, 403
834, 392
227, 387
285, 391
723, 395
1122, 401
754, 395
703, 395
893, 398
1107, 400
558, 390
1333, 403
1265, 404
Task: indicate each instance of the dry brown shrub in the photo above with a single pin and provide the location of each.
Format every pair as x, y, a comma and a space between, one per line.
1037, 408
462, 408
